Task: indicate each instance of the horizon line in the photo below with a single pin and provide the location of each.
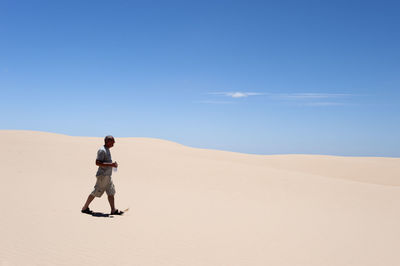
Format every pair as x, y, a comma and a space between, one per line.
211, 149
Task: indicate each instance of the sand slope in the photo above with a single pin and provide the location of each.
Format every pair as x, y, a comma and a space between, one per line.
194, 207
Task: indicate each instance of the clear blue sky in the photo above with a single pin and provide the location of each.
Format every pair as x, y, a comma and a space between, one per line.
266, 77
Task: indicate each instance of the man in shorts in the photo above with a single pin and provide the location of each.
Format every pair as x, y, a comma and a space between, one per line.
104, 182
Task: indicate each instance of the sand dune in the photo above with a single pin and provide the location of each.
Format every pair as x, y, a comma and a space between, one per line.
194, 206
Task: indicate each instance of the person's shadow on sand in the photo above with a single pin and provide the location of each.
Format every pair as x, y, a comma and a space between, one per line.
100, 214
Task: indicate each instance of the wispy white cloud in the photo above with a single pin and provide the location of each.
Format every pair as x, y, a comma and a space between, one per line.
307, 96
237, 94
299, 99
313, 99
293, 96
324, 104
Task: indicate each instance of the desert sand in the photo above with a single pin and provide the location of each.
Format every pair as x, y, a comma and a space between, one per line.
193, 206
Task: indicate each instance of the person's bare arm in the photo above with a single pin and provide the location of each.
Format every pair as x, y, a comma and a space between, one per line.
99, 163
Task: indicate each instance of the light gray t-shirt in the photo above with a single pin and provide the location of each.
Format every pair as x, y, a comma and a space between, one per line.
104, 156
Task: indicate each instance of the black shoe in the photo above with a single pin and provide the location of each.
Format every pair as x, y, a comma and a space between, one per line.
117, 212
87, 211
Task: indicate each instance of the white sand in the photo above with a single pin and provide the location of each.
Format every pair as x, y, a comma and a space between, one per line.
194, 207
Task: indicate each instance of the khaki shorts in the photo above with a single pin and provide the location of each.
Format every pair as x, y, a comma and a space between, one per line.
104, 183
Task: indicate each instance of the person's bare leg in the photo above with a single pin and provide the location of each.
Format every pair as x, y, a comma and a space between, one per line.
111, 201
88, 201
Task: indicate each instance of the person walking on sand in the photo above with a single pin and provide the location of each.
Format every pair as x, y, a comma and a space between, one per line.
104, 181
